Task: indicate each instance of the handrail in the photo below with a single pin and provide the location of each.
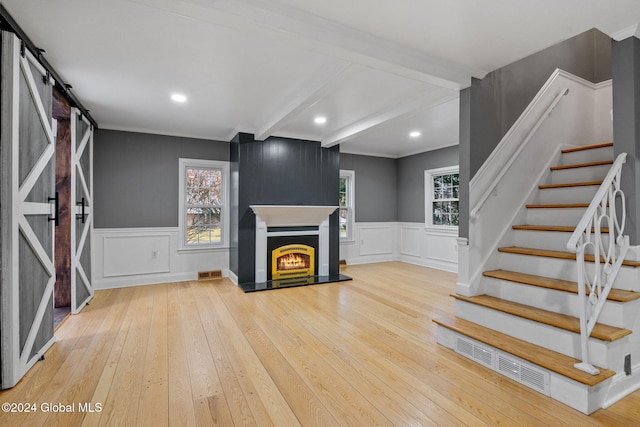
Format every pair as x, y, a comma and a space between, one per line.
608, 256
474, 212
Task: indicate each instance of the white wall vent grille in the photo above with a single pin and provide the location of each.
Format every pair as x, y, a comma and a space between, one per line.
513, 368
474, 351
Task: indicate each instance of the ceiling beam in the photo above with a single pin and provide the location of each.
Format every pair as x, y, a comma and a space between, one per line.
427, 98
308, 31
322, 82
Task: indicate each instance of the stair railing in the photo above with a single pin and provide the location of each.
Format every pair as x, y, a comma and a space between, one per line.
608, 254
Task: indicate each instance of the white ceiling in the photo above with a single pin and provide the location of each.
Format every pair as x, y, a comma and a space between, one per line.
376, 69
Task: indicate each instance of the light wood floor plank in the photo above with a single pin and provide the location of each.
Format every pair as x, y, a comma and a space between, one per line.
210, 403
358, 353
260, 394
181, 408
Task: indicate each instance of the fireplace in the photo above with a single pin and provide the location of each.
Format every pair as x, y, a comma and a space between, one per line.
291, 253
294, 260
279, 226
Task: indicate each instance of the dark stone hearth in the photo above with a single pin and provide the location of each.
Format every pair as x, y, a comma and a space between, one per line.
293, 282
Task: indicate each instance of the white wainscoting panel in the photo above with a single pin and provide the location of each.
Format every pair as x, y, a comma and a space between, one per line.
410, 240
407, 242
376, 240
140, 256
127, 255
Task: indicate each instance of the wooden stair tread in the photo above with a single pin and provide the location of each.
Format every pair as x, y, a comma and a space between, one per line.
569, 184
617, 295
587, 147
564, 228
532, 353
558, 320
556, 254
582, 165
558, 206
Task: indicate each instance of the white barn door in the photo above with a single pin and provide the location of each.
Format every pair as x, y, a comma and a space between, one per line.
28, 212
82, 201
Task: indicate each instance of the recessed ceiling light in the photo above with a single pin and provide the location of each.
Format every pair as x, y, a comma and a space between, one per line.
414, 134
320, 120
178, 97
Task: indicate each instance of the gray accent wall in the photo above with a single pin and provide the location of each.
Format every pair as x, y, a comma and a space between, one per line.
410, 182
278, 171
375, 189
136, 176
390, 190
464, 161
626, 126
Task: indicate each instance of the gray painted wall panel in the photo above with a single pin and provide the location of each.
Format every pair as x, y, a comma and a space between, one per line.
626, 126
136, 176
465, 160
410, 183
376, 182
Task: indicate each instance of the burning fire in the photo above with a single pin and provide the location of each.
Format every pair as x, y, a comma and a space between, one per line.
293, 262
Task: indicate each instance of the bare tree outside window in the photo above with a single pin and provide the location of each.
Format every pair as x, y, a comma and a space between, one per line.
445, 199
204, 200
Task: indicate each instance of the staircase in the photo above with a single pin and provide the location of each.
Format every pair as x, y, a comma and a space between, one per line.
526, 324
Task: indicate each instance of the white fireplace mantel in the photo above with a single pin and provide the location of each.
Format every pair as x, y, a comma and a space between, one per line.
291, 216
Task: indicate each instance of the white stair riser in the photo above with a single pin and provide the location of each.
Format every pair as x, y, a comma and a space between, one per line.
593, 173
587, 156
556, 339
565, 269
554, 216
583, 194
554, 240
613, 313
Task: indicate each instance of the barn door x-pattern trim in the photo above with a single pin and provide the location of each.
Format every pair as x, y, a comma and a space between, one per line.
24, 218
82, 201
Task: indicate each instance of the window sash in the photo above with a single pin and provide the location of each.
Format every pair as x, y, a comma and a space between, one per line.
345, 202
441, 208
203, 225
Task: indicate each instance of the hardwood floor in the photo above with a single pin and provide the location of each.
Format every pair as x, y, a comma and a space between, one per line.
358, 353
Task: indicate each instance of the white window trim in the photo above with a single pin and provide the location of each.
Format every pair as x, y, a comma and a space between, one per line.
212, 164
351, 185
428, 198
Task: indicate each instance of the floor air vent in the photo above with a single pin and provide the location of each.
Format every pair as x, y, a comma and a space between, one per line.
511, 367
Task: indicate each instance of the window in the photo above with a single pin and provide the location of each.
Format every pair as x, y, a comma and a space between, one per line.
346, 203
203, 203
442, 196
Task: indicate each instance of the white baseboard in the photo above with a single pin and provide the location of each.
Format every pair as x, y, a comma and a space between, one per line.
622, 385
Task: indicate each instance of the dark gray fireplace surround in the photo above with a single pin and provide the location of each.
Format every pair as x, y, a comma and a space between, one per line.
284, 172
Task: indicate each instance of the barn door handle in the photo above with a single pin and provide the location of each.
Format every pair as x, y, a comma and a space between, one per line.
56, 201
82, 215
